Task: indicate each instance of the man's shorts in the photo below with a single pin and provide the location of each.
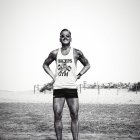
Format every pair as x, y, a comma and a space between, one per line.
65, 93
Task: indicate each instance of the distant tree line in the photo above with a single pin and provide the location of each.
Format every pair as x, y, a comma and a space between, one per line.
135, 87
111, 85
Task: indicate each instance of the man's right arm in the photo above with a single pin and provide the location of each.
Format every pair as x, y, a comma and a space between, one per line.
48, 61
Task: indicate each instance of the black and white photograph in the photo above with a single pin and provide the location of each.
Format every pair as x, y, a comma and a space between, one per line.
69, 70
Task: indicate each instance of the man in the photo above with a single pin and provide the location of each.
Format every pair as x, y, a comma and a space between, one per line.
64, 87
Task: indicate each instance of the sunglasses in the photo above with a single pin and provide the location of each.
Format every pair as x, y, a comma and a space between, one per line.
65, 36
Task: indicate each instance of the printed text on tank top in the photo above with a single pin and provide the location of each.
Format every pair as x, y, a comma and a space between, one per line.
64, 64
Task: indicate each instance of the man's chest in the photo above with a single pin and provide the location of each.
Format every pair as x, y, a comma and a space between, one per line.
65, 54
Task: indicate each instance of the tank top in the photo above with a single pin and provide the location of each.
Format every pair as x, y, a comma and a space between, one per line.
65, 74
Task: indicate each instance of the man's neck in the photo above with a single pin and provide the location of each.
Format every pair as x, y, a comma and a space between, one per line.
65, 47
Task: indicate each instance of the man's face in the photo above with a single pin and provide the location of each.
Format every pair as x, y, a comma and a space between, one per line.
65, 37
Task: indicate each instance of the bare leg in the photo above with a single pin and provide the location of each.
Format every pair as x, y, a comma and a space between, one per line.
73, 104
58, 104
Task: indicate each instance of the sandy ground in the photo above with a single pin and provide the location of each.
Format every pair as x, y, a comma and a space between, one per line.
67, 136
105, 96
91, 96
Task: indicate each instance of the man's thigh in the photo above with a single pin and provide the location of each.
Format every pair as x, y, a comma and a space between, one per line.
58, 104
73, 104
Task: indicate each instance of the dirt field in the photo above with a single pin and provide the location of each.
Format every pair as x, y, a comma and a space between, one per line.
34, 121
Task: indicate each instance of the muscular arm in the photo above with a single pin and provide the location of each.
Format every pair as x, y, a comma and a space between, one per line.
84, 61
48, 61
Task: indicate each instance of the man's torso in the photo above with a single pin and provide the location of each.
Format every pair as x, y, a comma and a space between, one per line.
65, 74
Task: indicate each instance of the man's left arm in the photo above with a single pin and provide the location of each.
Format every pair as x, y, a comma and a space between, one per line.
85, 63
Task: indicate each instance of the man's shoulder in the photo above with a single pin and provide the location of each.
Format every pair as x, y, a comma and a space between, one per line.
77, 52
54, 52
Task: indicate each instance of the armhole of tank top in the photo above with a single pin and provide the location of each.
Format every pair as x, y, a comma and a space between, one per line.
57, 55
59, 52
73, 57
71, 51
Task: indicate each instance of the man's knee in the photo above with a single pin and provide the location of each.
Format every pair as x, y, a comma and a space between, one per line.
57, 115
74, 116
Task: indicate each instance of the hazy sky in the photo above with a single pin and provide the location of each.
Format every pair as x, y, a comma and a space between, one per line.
106, 31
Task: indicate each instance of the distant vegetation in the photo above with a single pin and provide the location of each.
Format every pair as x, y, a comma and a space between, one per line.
110, 85
120, 85
135, 87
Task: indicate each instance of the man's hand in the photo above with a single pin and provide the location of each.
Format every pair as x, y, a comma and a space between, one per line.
78, 76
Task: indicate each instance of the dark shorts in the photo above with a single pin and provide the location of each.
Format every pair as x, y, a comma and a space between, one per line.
65, 93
